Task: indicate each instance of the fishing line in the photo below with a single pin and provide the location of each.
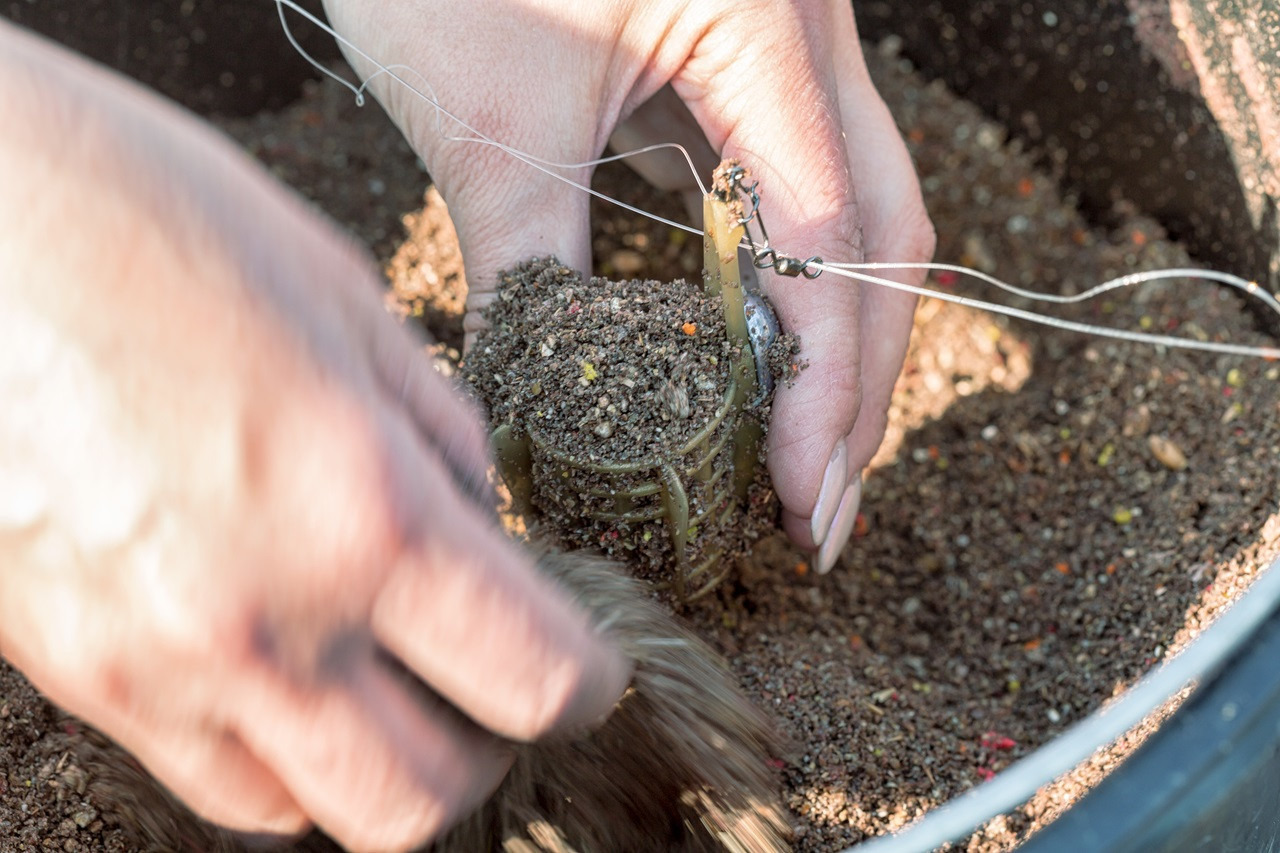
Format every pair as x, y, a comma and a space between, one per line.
1250, 288
1152, 338
852, 270
478, 137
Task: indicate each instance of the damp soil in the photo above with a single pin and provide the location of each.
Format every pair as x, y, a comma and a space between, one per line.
1024, 554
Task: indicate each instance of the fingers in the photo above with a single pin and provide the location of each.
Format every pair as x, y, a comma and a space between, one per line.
223, 782
896, 227
470, 616
446, 421
362, 757
886, 330
458, 605
215, 774
507, 206
512, 213
466, 611
343, 741
467, 601
525, 85
823, 198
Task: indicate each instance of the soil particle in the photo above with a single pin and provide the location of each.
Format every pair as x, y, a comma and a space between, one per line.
429, 282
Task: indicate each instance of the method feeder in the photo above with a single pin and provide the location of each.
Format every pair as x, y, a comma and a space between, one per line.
702, 485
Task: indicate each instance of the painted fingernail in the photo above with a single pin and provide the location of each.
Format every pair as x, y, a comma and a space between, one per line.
841, 526
834, 481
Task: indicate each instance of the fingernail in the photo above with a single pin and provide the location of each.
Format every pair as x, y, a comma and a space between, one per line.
841, 526
834, 482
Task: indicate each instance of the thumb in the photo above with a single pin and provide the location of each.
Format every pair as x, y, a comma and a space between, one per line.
787, 131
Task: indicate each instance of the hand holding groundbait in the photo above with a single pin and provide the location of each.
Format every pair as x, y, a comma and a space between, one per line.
777, 84
236, 504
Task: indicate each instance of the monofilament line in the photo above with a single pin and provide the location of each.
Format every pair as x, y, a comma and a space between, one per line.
476, 137
1059, 323
853, 270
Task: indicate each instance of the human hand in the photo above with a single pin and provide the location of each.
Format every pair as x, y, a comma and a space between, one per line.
780, 85
236, 503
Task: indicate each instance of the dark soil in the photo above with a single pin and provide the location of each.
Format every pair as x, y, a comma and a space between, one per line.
609, 382
45, 803
1023, 556
614, 371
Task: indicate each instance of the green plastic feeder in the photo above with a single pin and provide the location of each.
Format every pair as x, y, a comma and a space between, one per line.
694, 490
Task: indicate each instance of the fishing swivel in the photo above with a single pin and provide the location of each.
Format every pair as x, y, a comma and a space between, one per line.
764, 256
